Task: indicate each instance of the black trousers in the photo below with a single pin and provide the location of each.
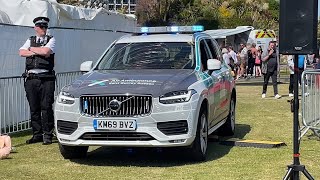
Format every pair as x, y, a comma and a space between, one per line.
40, 95
250, 68
273, 76
291, 83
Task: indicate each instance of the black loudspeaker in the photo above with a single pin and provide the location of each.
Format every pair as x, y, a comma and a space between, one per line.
298, 26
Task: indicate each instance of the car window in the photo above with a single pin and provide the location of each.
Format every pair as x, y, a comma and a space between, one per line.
204, 54
217, 50
214, 49
149, 55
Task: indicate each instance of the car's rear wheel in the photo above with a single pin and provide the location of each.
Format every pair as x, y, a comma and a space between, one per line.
200, 144
228, 128
73, 152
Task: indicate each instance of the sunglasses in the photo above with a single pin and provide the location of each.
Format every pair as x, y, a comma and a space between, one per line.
42, 26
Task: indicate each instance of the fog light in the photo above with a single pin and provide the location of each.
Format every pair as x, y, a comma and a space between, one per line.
65, 140
177, 141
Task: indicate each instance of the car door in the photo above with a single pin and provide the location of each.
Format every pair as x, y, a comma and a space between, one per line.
225, 78
211, 82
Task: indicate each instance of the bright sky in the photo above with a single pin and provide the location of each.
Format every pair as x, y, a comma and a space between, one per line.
318, 8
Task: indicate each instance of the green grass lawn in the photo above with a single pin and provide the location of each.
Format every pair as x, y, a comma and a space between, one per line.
257, 119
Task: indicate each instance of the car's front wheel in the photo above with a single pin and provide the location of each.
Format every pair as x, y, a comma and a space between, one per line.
73, 152
200, 144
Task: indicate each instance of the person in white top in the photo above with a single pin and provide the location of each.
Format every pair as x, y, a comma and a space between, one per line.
225, 56
236, 63
244, 51
243, 60
233, 55
291, 69
45, 49
40, 81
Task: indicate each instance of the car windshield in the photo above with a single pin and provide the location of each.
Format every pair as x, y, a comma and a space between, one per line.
148, 55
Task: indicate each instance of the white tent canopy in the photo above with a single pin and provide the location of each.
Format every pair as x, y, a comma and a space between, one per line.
4, 18
22, 12
81, 34
223, 33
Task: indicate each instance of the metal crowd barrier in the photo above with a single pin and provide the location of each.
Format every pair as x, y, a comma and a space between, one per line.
14, 107
66, 78
310, 102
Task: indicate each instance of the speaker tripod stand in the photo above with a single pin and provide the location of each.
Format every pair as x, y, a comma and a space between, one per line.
295, 168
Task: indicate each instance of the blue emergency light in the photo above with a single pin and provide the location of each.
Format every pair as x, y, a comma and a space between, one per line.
144, 29
197, 28
170, 29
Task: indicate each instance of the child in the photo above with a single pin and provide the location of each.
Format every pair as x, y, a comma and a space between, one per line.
258, 62
5, 146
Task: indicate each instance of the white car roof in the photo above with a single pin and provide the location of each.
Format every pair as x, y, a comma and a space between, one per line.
157, 38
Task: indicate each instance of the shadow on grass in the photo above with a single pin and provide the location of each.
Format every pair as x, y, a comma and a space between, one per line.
26, 135
155, 157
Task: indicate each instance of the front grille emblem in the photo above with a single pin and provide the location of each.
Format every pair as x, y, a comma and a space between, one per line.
115, 105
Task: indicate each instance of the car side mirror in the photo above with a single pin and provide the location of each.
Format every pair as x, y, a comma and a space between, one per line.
86, 66
213, 64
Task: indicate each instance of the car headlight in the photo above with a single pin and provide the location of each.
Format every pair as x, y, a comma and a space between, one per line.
65, 98
177, 97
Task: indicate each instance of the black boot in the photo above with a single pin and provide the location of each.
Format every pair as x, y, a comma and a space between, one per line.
47, 142
34, 139
47, 139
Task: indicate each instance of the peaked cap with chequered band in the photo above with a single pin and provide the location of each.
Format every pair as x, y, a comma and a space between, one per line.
41, 20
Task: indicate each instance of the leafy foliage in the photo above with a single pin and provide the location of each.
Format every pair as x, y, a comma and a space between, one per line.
210, 13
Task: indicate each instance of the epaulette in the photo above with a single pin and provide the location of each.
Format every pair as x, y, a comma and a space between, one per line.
31, 37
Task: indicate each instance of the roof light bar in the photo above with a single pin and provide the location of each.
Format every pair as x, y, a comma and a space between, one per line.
197, 28
170, 29
144, 29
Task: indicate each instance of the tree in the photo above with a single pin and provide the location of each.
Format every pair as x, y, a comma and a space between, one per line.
154, 12
213, 14
257, 13
71, 2
177, 12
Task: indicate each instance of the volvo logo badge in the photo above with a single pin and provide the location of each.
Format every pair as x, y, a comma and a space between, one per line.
115, 105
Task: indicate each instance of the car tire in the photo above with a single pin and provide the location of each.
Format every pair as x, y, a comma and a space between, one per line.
73, 152
200, 143
228, 128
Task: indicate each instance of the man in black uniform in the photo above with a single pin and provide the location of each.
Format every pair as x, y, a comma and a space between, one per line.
40, 81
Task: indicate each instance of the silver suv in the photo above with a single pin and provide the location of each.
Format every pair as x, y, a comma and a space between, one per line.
166, 88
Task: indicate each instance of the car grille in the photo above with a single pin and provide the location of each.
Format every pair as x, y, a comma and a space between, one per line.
117, 136
66, 127
130, 106
173, 127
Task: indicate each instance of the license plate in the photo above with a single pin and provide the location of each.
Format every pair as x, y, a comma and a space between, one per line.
114, 124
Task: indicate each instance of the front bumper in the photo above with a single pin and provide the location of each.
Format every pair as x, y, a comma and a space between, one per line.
146, 125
